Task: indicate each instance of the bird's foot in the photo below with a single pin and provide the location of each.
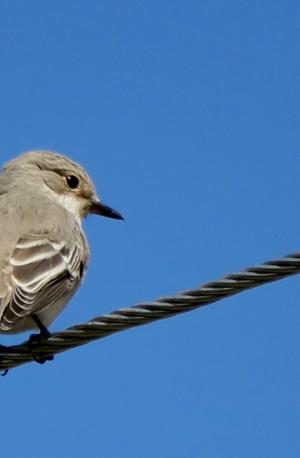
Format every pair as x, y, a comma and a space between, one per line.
4, 349
33, 341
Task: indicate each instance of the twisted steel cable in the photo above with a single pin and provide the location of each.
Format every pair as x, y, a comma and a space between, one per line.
147, 312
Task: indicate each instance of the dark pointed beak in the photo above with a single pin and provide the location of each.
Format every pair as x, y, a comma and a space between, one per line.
99, 208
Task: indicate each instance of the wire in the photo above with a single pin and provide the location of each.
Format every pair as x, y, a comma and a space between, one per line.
146, 312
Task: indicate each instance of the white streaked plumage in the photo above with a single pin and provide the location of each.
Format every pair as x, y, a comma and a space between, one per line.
43, 249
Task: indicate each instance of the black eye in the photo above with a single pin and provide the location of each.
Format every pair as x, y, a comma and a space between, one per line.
72, 181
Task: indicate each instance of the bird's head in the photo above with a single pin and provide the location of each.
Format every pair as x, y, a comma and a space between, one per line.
66, 181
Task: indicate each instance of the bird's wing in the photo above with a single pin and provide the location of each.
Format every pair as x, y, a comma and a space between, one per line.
42, 270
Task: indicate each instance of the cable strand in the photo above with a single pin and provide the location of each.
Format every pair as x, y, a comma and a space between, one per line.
147, 312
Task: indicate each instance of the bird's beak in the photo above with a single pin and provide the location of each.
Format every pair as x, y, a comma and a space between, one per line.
99, 208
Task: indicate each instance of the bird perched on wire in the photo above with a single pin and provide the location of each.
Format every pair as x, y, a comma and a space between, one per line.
43, 250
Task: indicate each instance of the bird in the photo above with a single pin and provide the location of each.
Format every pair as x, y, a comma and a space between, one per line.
44, 253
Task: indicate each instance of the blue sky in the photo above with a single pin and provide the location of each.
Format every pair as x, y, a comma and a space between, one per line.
186, 116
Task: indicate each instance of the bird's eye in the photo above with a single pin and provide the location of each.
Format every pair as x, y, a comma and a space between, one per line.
72, 181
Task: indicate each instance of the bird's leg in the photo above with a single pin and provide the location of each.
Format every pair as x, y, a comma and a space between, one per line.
33, 339
36, 339
43, 330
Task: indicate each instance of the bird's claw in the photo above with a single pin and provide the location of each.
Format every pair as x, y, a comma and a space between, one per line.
5, 349
38, 357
